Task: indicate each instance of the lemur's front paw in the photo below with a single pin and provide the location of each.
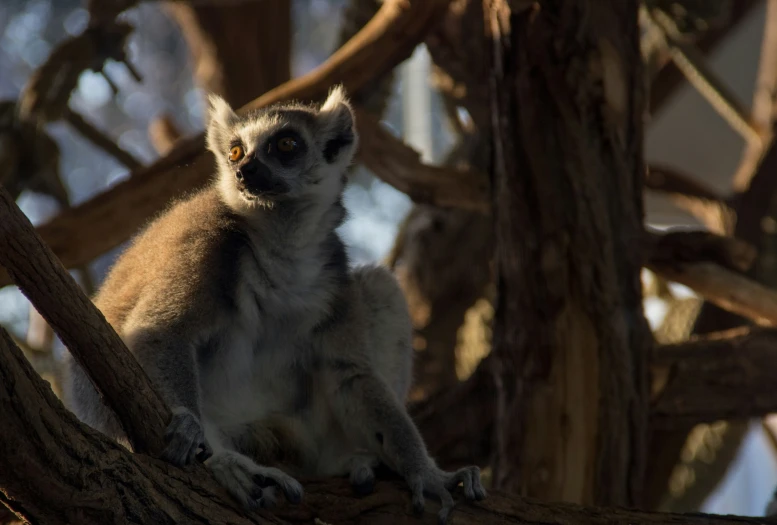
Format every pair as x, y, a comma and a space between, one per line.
433, 481
251, 484
184, 437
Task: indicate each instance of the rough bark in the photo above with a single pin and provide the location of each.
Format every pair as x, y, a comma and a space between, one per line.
729, 375
570, 339
82, 328
100, 224
237, 52
56, 470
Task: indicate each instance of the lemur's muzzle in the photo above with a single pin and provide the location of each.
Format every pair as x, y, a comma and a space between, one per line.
257, 179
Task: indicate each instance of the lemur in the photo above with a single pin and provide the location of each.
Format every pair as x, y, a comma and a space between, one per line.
239, 304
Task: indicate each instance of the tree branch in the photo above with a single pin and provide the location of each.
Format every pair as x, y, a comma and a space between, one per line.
670, 77
54, 469
680, 247
763, 111
399, 165
79, 235
704, 203
725, 375
82, 328
709, 265
728, 290
389, 38
99, 139
91, 480
690, 61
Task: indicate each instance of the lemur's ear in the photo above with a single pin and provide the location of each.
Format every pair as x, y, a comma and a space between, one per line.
337, 123
220, 117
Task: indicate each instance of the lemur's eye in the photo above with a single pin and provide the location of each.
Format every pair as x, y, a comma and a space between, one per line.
286, 144
236, 153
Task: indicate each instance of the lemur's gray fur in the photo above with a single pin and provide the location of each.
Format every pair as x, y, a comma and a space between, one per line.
238, 303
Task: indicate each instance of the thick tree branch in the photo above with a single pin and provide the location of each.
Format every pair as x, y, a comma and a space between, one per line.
390, 37
399, 165
91, 480
109, 219
237, 67
725, 375
82, 328
727, 289
570, 337
677, 247
709, 265
54, 469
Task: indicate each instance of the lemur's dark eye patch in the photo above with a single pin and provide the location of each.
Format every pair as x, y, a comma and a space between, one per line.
287, 145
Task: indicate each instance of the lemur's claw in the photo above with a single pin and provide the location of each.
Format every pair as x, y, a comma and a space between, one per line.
436, 482
184, 436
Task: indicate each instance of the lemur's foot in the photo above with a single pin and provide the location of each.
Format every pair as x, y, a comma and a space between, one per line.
185, 439
433, 481
251, 484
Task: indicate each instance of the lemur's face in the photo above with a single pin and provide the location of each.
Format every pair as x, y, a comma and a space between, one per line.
282, 152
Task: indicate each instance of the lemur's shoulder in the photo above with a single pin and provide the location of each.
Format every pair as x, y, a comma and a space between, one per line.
188, 255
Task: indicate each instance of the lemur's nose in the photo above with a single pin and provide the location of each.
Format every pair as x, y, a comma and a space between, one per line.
252, 170
256, 176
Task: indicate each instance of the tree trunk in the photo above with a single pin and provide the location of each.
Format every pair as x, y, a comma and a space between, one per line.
570, 339
240, 51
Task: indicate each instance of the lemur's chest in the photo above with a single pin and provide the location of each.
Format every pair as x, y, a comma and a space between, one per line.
283, 293
261, 366
262, 363
252, 378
